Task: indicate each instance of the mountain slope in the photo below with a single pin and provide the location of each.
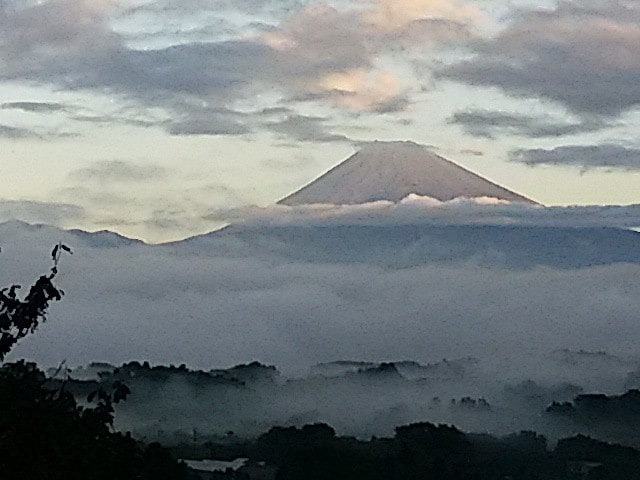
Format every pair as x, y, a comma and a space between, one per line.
392, 171
407, 246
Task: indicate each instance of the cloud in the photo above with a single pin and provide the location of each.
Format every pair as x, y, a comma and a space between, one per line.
47, 35
69, 43
211, 125
363, 90
15, 133
232, 299
422, 21
583, 56
344, 45
585, 156
391, 15
123, 118
35, 107
305, 45
127, 196
489, 123
305, 129
273, 295
50, 213
475, 153
118, 171
419, 210
317, 51
36, 133
250, 8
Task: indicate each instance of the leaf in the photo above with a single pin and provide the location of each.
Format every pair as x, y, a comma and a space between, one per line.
120, 392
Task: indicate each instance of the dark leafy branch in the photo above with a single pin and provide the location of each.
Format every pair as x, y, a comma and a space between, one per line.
44, 432
19, 317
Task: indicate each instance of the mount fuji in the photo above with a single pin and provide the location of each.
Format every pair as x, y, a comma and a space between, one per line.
392, 171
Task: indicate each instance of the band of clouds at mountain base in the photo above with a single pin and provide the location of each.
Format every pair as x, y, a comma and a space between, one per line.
419, 210
582, 55
584, 156
256, 306
490, 123
158, 216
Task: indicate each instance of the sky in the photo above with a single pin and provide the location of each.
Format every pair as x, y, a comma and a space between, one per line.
149, 118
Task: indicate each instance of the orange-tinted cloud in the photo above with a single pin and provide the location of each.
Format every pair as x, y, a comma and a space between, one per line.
393, 15
335, 53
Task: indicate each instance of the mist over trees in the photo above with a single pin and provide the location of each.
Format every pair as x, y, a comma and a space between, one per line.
209, 412
44, 433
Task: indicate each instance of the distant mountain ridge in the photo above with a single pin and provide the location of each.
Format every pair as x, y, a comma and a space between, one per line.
406, 246
392, 171
52, 234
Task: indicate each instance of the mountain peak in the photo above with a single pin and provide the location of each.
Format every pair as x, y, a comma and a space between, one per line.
392, 171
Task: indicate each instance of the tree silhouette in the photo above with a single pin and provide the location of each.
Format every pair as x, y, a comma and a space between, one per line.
20, 317
44, 433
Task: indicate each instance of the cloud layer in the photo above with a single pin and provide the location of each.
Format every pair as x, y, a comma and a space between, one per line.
585, 156
317, 52
419, 210
232, 299
490, 123
581, 55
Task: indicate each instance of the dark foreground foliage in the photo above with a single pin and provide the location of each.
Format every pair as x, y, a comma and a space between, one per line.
45, 434
20, 317
425, 451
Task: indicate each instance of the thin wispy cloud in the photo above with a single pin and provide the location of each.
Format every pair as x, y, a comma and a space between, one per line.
35, 107
491, 124
118, 171
50, 213
585, 156
8, 131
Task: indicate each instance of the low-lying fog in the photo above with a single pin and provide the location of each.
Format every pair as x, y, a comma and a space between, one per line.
234, 298
175, 405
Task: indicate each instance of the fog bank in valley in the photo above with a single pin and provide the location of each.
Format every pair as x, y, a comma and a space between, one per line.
304, 293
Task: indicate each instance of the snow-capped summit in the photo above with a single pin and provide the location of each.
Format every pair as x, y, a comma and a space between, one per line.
392, 171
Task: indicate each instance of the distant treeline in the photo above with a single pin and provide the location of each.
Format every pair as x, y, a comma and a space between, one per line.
174, 404
45, 433
425, 451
